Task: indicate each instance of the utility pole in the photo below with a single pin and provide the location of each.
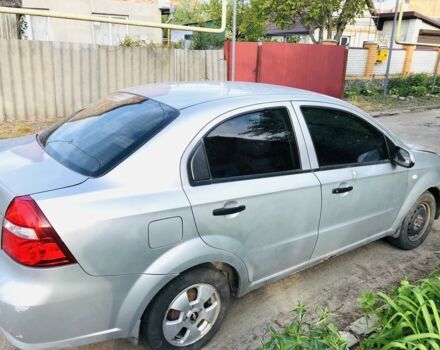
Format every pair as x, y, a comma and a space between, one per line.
390, 55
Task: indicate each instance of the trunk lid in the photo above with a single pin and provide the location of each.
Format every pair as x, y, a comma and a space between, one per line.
25, 168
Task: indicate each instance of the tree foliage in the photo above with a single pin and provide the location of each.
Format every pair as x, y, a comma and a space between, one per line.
328, 17
190, 11
251, 21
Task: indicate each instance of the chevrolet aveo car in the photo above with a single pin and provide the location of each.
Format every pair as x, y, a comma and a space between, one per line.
140, 215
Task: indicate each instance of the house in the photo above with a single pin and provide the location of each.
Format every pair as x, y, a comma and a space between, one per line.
53, 29
416, 28
420, 24
185, 37
284, 35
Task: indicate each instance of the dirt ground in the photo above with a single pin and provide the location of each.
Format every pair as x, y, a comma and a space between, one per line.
335, 283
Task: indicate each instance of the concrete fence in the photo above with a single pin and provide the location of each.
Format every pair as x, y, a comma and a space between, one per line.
47, 80
362, 62
8, 26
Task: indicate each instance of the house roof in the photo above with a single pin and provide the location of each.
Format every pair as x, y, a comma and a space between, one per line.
294, 29
10, 3
407, 15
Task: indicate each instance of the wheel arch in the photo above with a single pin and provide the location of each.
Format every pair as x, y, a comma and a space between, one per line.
172, 265
424, 183
435, 191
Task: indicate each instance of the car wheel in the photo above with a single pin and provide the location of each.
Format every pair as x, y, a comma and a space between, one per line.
188, 312
417, 224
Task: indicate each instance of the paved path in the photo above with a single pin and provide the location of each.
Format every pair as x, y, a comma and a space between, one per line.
335, 283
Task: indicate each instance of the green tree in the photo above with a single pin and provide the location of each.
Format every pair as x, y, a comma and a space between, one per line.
206, 41
190, 11
251, 21
328, 17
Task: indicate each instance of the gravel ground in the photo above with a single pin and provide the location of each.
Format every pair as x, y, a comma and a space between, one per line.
335, 283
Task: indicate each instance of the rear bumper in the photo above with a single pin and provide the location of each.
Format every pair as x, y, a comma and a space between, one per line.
61, 307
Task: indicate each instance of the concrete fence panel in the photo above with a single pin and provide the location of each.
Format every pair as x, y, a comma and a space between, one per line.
47, 80
397, 60
424, 61
356, 62
8, 26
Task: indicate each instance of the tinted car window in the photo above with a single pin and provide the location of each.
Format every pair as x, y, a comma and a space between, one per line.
341, 138
261, 142
99, 137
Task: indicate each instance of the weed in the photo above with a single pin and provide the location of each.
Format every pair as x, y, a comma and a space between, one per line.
304, 335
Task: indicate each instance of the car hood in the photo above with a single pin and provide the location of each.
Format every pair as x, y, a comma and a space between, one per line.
25, 168
417, 147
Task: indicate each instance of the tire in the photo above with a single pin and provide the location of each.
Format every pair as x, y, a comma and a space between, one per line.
162, 319
417, 224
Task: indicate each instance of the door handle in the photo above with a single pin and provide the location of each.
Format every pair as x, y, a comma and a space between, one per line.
340, 190
228, 211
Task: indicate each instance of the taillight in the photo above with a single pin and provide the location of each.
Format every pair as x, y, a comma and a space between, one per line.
29, 238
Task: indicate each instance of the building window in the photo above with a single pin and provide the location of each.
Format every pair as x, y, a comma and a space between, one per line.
108, 33
38, 28
345, 41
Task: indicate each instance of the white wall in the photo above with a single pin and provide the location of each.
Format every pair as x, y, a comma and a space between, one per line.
424, 61
409, 32
397, 59
356, 62
84, 32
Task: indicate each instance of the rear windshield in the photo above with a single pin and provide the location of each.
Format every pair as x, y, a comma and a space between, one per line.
99, 137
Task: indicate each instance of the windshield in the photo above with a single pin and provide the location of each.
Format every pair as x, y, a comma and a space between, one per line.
99, 137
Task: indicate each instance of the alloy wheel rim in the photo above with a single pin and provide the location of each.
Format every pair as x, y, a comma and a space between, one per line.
191, 315
418, 222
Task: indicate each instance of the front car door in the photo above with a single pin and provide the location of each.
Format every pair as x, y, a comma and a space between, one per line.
248, 178
362, 191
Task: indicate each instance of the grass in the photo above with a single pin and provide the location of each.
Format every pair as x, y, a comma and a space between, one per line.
302, 334
15, 129
408, 317
377, 103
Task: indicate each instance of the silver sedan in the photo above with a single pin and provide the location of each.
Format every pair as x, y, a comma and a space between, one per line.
141, 215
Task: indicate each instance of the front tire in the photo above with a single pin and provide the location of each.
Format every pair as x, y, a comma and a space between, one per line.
188, 312
417, 224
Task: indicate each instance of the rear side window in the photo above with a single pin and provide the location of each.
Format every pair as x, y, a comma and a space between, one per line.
99, 137
260, 142
341, 138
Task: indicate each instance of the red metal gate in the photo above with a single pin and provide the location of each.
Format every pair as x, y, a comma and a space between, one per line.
319, 68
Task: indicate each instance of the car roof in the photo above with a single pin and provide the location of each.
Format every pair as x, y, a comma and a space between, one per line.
186, 94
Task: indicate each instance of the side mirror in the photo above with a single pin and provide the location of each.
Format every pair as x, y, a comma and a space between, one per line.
403, 158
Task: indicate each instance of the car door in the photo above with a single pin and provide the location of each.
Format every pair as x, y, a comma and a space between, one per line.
248, 179
362, 191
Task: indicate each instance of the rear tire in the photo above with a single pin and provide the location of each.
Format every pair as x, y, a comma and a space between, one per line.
417, 224
188, 312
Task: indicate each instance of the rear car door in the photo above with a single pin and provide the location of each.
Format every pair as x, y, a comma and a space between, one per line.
362, 191
248, 178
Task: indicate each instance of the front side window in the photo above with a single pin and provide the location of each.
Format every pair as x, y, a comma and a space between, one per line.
341, 138
260, 142
99, 137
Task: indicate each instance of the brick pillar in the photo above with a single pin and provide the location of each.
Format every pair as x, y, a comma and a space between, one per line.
406, 70
437, 63
371, 58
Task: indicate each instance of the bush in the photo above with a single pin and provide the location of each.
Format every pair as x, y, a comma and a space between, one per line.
206, 41
302, 335
351, 94
408, 317
418, 90
416, 85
